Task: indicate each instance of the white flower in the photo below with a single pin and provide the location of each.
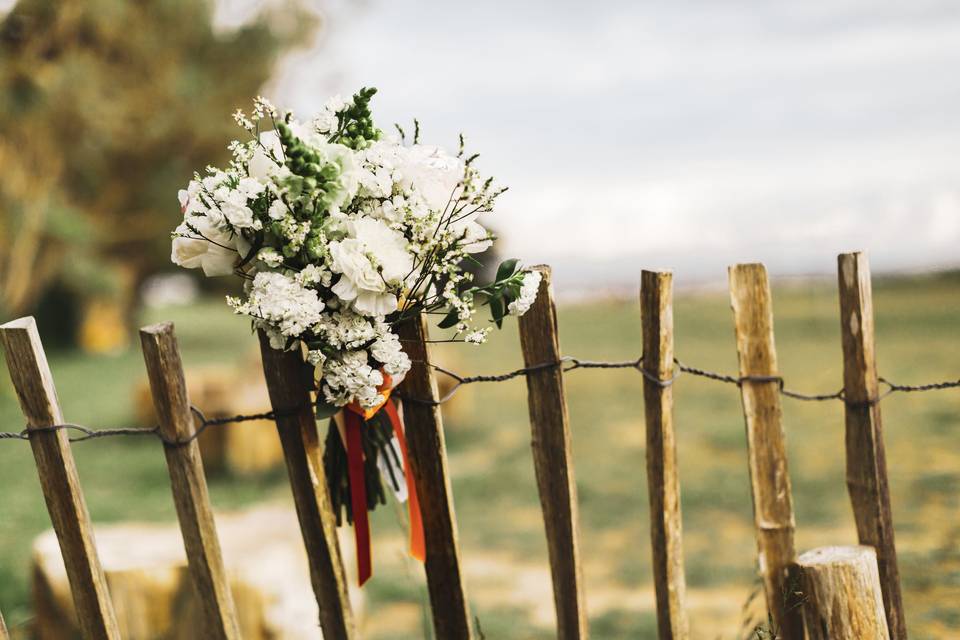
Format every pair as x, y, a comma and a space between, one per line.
312, 274
346, 329
199, 244
270, 257
351, 378
479, 336
528, 293
387, 351
432, 172
233, 206
282, 303
262, 165
475, 238
371, 257
278, 210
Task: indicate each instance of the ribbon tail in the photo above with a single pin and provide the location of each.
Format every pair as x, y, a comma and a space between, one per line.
418, 547
358, 495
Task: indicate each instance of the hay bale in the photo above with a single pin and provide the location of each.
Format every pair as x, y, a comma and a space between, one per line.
150, 586
242, 448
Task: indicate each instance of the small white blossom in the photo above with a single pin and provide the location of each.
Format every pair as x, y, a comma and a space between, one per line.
270, 257
528, 294
478, 336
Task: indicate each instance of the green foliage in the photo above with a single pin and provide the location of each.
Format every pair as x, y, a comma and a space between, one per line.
356, 129
106, 108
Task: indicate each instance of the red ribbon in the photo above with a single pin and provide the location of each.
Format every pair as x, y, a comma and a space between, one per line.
358, 489
358, 495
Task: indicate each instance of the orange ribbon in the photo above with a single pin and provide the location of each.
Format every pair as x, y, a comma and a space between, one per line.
354, 418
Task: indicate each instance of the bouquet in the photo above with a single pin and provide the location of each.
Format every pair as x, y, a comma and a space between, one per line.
340, 232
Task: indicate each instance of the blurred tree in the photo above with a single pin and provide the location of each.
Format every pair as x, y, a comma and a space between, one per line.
106, 109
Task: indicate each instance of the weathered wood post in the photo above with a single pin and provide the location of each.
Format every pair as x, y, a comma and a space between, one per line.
33, 381
187, 481
663, 476
841, 591
553, 460
766, 442
866, 456
289, 386
428, 462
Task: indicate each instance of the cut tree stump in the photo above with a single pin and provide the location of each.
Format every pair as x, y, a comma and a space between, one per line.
841, 594
150, 587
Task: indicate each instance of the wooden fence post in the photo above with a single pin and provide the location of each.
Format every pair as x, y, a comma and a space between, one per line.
866, 456
187, 481
553, 459
766, 446
289, 386
33, 381
663, 476
428, 461
841, 591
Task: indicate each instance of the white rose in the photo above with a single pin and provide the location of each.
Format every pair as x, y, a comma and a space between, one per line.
363, 283
210, 250
261, 165
432, 172
233, 205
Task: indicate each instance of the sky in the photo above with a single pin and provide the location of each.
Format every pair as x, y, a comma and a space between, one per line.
686, 135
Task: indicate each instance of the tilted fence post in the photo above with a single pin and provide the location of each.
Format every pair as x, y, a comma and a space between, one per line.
289, 387
428, 461
33, 381
187, 481
766, 442
663, 476
866, 456
841, 594
553, 459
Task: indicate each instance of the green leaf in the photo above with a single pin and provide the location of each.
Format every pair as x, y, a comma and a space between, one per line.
507, 268
498, 310
325, 409
449, 320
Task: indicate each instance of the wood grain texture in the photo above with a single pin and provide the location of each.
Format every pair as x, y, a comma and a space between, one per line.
188, 482
553, 460
289, 382
663, 476
866, 456
33, 381
428, 461
842, 599
766, 442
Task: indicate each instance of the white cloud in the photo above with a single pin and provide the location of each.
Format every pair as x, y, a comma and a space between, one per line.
691, 133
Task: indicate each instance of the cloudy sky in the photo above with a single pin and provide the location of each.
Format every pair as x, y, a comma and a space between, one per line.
687, 134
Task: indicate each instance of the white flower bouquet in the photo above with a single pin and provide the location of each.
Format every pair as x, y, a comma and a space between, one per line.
340, 232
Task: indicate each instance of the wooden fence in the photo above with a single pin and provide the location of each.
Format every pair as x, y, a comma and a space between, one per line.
843, 593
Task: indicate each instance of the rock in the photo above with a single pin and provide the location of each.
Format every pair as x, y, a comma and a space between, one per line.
152, 593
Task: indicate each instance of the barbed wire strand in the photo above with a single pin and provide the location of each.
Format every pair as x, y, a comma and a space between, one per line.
564, 365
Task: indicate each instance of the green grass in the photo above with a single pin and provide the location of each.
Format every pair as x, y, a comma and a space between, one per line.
496, 498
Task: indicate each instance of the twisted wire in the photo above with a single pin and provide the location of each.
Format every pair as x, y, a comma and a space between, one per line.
563, 365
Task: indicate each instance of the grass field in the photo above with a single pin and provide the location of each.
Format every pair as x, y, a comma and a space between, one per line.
918, 328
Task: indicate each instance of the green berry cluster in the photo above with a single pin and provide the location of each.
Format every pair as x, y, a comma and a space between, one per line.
356, 129
318, 177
